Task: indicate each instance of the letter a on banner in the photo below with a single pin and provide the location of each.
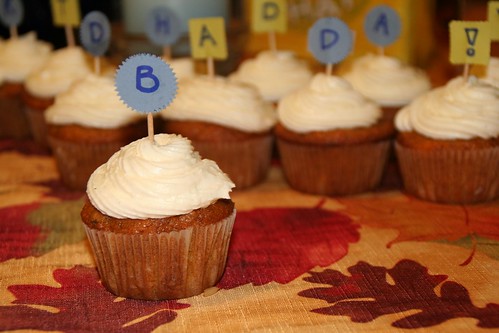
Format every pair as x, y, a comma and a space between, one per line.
207, 38
269, 15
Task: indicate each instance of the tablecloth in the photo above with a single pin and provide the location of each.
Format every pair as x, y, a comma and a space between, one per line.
376, 262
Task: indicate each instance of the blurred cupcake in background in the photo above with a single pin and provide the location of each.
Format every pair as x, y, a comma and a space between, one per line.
274, 73
86, 125
227, 122
492, 72
448, 143
331, 139
387, 81
64, 67
19, 57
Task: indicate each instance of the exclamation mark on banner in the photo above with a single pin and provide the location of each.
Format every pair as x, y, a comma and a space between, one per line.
471, 34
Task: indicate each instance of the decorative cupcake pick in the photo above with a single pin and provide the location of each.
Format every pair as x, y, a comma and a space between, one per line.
66, 13
469, 43
382, 26
330, 41
208, 40
11, 14
269, 16
163, 28
493, 19
95, 35
147, 84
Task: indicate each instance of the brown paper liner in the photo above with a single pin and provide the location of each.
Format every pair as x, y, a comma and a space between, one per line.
38, 126
451, 175
333, 169
76, 161
246, 162
168, 265
13, 121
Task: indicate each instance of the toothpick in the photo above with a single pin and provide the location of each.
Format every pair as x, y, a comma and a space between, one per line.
13, 31
150, 127
97, 65
167, 52
466, 71
329, 69
210, 64
272, 41
381, 50
70, 38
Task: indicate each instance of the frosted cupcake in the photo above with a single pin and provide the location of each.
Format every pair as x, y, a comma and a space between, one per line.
387, 81
159, 220
86, 125
448, 145
227, 122
18, 58
64, 67
275, 74
331, 139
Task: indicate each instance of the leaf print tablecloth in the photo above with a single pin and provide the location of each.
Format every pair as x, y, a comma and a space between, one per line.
376, 262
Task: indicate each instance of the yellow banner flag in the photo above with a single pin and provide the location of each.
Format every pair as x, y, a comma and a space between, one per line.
269, 15
469, 42
208, 38
493, 18
66, 12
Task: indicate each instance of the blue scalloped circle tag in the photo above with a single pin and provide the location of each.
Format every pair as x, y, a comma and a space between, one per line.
382, 25
162, 26
329, 40
146, 83
11, 12
95, 33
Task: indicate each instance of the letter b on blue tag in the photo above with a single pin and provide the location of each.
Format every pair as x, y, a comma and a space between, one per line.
146, 83
329, 40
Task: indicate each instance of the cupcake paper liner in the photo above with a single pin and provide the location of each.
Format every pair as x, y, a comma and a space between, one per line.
13, 121
168, 265
245, 162
36, 120
332, 169
76, 161
450, 176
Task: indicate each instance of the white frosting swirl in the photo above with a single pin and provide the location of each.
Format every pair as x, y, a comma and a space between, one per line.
91, 102
275, 74
182, 67
217, 100
386, 80
64, 67
459, 110
327, 103
21, 56
154, 180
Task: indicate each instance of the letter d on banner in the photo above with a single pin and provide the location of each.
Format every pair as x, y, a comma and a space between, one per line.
269, 15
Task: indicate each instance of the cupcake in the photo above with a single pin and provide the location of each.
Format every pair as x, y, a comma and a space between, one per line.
18, 58
275, 74
227, 122
64, 67
448, 143
331, 139
86, 125
492, 73
159, 220
387, 81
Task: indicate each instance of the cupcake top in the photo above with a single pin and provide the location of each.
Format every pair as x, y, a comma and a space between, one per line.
386, 80
63, 67
222, 102
275, 74
21, 56
182, 67
91, 102
462, 109
327, 103
492, 75
155, 180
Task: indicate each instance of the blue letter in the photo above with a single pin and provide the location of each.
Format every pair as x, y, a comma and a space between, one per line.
205, 34
334, 39
382, 22
95, 38
270, 11
162, 24
145, 71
